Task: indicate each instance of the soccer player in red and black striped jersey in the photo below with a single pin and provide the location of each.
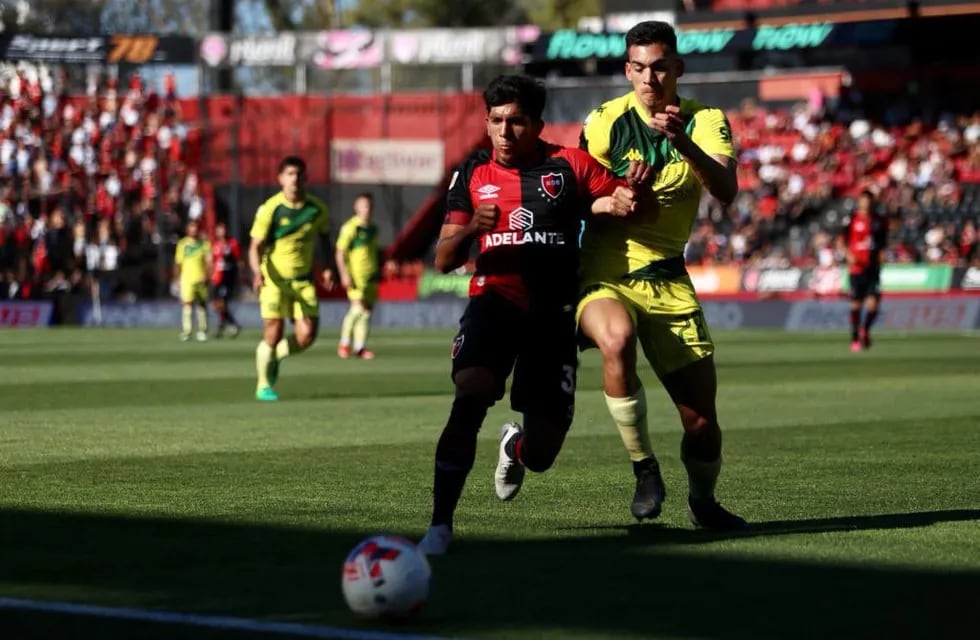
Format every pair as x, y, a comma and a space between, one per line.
866, 237
226, 256
523, 203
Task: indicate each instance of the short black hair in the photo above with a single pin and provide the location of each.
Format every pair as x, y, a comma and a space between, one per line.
526, 91
292, 161
869, 193
367, 195
652, 32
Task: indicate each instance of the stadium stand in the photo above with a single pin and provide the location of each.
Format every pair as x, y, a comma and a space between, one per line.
83, 181
98, 183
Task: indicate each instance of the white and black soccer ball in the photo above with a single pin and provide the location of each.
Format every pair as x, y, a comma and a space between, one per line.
386, 577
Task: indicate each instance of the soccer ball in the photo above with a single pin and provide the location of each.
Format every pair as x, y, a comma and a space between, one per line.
385, 577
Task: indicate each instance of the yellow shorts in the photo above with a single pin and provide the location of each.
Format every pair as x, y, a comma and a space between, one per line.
288, 299
191, 292
366, 294
670, 325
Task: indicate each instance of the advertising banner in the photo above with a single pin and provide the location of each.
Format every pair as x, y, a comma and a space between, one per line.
568, 44
148, 49
912, 277
129, 48
222, 50
343, 49
441, 314
53, 48
458, 46
386, 161
16, 314
715, 279
774, 280
901, 314
443, 285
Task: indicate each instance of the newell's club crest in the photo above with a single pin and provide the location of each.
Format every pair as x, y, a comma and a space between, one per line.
457, 345
552, 185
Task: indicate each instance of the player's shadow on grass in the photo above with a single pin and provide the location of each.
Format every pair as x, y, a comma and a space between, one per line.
601, 585
653, 532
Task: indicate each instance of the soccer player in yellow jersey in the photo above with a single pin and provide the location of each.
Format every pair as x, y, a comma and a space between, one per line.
359, 268
281, 258
192, 266
635, 288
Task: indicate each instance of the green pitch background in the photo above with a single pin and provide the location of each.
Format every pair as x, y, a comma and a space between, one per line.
137, 471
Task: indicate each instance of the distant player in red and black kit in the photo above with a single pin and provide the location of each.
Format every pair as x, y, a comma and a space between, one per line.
523, 203
866, 237
226, 256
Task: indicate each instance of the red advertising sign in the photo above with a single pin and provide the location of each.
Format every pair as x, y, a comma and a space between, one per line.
25, 314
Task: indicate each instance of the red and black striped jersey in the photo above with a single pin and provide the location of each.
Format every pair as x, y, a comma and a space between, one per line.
531, 257
866, 238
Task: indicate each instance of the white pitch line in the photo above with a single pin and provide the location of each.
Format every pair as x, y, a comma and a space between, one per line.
212, 622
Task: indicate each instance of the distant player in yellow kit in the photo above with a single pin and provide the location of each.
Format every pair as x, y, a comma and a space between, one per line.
281, 258
359, 267
192, 266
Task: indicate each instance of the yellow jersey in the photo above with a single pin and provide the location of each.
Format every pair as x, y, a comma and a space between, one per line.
192, 255
289, 234
616, 133
360, 245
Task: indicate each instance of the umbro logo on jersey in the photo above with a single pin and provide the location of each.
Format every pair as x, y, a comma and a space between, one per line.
283, 222
488, 191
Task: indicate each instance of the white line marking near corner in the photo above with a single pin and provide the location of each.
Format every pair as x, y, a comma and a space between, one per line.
212, 622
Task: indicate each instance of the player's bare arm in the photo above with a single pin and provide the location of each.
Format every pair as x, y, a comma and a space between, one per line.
254, 263
620, 204
332, 266
716, 172
455, 240
340, 258
639, 176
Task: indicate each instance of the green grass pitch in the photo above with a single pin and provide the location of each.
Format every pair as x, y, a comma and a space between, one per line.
137, 471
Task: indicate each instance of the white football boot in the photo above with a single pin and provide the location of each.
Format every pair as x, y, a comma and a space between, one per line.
509, 476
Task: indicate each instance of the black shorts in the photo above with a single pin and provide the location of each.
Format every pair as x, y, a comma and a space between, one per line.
866, 284
224, 289
539, 347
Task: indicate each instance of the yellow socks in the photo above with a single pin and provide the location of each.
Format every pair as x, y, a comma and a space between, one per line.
264, 361
186, 315
630, 416
286, 347
347, 327
362, 325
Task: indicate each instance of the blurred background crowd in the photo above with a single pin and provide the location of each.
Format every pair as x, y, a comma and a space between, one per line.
91, 184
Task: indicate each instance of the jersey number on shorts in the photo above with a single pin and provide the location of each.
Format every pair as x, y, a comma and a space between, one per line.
692, 331
568, 381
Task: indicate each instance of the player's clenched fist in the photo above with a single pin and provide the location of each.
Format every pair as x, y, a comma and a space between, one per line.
670, 123
639, 174
257, 281
485, 217
622, 202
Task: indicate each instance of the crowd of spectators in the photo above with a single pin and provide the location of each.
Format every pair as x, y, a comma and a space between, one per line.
800, 171
90, 184
96, 185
